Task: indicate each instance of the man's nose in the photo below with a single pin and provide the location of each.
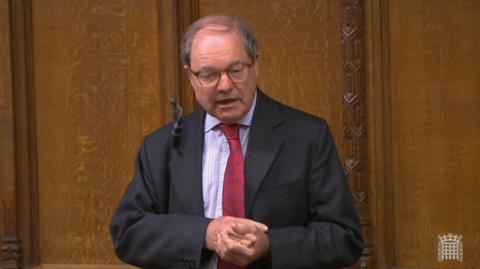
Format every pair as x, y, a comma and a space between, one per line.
224, 82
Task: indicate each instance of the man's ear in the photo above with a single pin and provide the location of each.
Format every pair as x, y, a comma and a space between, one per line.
186, 68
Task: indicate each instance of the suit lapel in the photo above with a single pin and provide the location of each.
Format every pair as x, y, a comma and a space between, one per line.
263, 146
186, 166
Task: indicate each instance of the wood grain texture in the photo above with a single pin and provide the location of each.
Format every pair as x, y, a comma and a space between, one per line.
7, 164
300, 54
25, 133
18, 206
97, 94
187, 11
174, 18
435, 111
9, 240
380, 200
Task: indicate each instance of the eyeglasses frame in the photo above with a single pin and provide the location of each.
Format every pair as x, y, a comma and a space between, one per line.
220, 75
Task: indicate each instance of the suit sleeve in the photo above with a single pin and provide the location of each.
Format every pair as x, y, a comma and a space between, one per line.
144, 233
332, 237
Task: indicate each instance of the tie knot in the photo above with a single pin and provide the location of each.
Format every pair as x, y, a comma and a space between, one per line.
231, 131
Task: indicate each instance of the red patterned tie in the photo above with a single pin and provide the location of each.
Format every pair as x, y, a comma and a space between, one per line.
233, 193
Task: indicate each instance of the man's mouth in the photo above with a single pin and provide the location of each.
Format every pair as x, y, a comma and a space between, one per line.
226, 101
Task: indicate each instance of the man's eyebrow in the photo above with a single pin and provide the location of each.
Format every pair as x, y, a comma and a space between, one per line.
206, 68
235, 63
210, 68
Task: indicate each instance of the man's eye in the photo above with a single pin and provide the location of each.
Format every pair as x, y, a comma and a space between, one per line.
235, 71
206, 75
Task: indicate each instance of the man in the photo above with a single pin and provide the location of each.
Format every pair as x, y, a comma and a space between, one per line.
252, 183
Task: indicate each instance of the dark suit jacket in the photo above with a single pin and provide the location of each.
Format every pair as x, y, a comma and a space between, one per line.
294, 184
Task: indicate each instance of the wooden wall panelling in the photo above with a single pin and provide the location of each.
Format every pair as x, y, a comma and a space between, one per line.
82, 68
7, 168
187, 11
421, 60
97, 93
435, 110
19, 249
174, 18
378, 128
354, 115
25, 133
168, 76
9, 230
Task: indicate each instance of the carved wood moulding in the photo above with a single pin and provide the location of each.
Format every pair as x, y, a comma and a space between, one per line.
354, 115
11, 253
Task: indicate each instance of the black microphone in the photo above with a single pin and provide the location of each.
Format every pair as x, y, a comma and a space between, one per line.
177, 123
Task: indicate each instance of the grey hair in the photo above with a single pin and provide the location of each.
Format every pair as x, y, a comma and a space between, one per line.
232, 24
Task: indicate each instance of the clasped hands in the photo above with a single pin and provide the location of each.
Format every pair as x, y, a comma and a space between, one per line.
236, 240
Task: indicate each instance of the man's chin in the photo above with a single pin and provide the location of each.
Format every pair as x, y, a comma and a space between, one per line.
227, 114
229, 118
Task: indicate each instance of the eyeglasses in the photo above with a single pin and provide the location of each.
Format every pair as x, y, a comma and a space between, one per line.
208, 78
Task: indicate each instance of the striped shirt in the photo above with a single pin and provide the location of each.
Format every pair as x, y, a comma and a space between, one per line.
214, 161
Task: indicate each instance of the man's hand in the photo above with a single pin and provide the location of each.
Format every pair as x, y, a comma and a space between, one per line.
237, 240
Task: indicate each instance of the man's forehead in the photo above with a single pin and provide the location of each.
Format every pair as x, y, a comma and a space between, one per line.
214, 30
212, 35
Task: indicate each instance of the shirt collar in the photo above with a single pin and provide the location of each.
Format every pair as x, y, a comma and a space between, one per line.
246, 120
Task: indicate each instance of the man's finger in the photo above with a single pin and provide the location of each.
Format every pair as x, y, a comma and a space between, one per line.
245, 239
251, 223
249, 227
232, 251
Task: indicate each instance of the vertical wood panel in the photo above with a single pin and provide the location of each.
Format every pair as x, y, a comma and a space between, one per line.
435, 113
187, 11
174, 18
18, 250
300, 54
97, 94
8, 227
380, 200
167, 54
